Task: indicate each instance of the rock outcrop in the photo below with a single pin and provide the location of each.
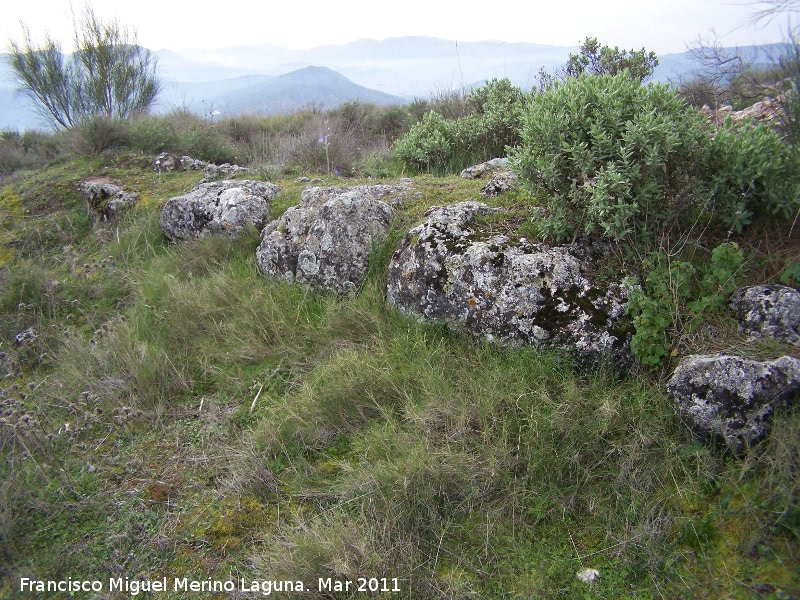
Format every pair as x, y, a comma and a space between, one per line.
476, 171
505, 289
221, 207
106, 200
732, 398
766, 111
325, 241
771, 311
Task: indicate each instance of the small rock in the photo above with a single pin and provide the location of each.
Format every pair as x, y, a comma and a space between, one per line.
771, 311
192, 164
500, 183
165, 162
226, 170
479, 170
588, 575
730, 397
106, 200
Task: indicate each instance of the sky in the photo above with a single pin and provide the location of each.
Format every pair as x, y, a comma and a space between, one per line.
664, 26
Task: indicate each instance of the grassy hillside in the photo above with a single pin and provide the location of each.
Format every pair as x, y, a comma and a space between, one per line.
179, 415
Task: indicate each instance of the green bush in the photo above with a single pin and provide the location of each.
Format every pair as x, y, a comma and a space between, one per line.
493, 123
751, 170
613, 156
676, 295
429, 144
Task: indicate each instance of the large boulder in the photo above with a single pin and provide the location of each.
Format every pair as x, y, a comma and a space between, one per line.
732, 398
506, 289
771, 311
220, 207
325, 241
105, 199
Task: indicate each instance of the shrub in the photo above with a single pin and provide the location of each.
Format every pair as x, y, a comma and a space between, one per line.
429, 144
492, 124
613, 156
677, 294
750, 170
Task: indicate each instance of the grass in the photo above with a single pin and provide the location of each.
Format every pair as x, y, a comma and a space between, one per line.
180, 415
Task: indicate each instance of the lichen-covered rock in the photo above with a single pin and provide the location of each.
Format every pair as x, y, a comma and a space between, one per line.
221, 207
500, 183
771, 311
325, 241
106, 200
192, 164
165, 162
213, 172
479, 170
510, 291
730, 397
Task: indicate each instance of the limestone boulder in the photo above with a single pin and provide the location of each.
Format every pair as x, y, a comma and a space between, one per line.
479, 170
219, 208
105, 199
501, 182
166, 162
732, 398
507, 289
325, 241
768, 311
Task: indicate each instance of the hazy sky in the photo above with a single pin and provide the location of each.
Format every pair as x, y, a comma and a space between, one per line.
661, 25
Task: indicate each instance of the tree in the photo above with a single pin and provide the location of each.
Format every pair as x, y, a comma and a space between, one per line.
108, 74
595, 59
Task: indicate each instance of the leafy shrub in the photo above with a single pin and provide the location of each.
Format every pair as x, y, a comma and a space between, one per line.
751, 170
679, 293
429, 144
493, 123
152, 134
612, 155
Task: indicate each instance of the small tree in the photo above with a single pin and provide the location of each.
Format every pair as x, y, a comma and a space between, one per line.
594, 59
108, 75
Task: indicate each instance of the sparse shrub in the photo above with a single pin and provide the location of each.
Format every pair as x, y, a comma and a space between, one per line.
153, 134
613, 156
26, 150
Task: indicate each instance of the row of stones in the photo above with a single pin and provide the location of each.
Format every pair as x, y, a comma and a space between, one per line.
509, 290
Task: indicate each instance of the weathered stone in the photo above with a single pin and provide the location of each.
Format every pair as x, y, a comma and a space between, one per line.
732, 398
766, 111
213, 172
505, 289
221, 207
771, 311
165, 162
479, 170
500, 183
325, 241
192, 164
106, 200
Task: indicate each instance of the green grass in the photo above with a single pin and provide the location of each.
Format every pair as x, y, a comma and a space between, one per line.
180, 415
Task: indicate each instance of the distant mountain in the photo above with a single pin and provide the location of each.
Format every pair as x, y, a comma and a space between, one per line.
311, 86
268, 79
